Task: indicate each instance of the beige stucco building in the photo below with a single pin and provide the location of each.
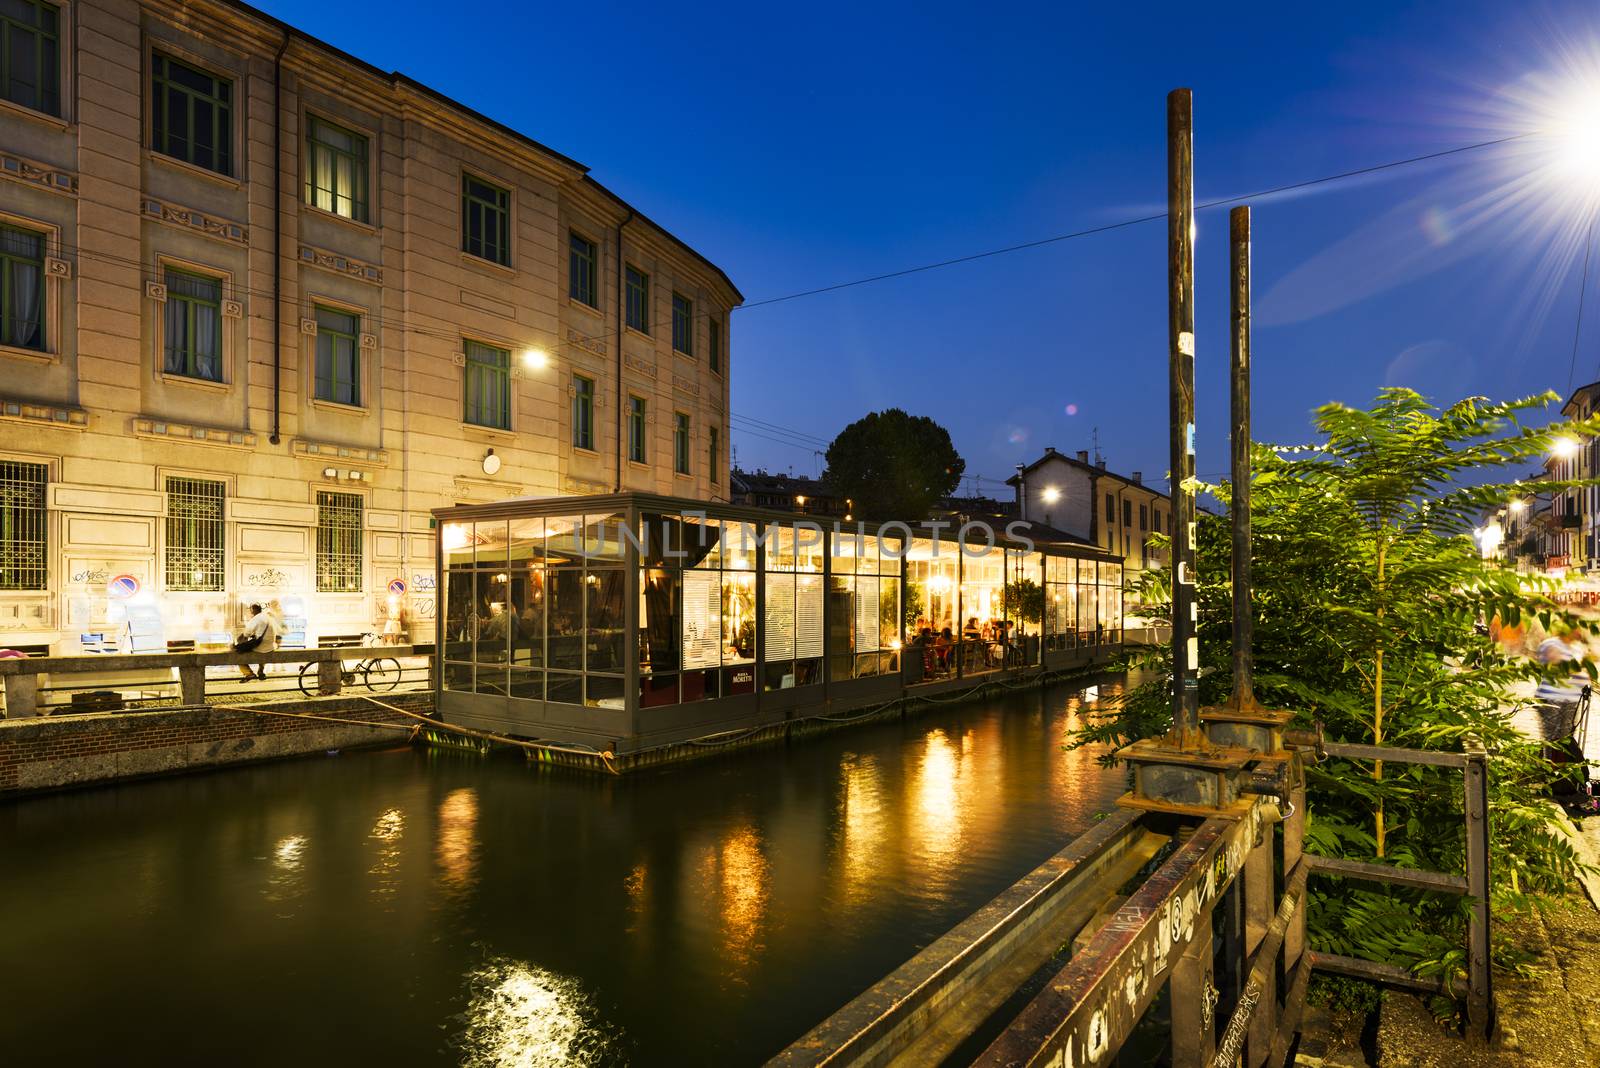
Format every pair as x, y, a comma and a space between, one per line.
1115, 512
265, 306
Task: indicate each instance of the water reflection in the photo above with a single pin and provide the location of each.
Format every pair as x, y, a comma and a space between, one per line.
526, 1016
736, 880
865, 828
935, 823
387, 832
287, 878
456, 843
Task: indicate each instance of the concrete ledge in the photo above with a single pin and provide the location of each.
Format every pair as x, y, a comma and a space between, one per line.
58, 752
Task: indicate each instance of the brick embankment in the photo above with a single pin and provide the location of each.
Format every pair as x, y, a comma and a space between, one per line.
48, 753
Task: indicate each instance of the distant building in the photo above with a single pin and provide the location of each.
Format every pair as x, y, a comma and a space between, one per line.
1115, 512
788, 493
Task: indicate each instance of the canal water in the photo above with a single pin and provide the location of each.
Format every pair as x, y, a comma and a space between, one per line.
422, 907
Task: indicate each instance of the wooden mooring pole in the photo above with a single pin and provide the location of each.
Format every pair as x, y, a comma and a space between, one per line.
1180, 331
1239, 410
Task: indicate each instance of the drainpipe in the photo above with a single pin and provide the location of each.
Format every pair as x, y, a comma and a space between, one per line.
277, 239
617, 487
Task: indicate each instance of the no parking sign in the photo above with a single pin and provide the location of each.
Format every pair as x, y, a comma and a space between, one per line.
122, 587
397, 586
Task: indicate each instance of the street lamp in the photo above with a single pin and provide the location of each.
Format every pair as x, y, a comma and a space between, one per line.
1563, 448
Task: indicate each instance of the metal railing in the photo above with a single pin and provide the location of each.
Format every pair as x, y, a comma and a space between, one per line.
111, 682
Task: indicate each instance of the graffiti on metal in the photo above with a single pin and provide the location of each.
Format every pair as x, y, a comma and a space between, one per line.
1084, 1016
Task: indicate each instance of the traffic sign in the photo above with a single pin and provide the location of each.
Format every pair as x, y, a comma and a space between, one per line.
122, 587
397, 586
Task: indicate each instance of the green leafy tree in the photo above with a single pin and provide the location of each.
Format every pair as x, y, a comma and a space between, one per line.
1023, 599
1372, 604
893, 465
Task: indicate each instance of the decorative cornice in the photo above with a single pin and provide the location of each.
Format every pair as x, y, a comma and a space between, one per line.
209, 225
644, 367
351, 454
165, 430
40, 174
586, 343
685, 386
465, 488
48, 414
584, 486
333, 261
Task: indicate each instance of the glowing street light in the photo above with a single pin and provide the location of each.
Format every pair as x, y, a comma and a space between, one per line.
1563, 448
1051, 495
1519, 506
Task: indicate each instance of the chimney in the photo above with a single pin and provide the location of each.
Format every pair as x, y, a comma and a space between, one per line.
1083, 456
1101, 465
1138, 478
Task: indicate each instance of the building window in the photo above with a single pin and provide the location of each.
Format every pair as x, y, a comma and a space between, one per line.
30, 55
191, 115
1111, 509
1144, 517
712, 451
338, 542
636, 429
195, 545
336, 169
582, 263
485, 220
680, 445
714, 344
638, 287
338, 356
21, 288
683, 324
1127, 513
23, 548
488, 386
194, 326
582, 412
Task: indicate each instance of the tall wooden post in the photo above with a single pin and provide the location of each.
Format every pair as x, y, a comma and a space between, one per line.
1239, 405
1180, 335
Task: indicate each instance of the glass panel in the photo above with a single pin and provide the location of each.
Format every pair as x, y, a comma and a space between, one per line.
841, 618
889, 613
457, 635
528, 685
564, 689
491, 621
702, 620
491, 679
604, 691
606, 639
525, 541
846, 550
660, 619
603, 538
455, 541
808, 616
738, 618
564, 541
565, 594
458, 677
490, 538
526, 605
658, 690
779, 631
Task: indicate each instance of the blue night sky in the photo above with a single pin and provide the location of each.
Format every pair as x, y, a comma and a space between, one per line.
799, 146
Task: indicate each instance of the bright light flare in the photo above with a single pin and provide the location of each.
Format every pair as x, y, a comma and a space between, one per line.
1051, 495
1563, 448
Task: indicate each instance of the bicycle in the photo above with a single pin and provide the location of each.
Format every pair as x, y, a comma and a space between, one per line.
379, 674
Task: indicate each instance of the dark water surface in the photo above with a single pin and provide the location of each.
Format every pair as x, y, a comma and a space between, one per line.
419, 907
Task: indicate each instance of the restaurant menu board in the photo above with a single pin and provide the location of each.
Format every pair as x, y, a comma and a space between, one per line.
144, 630
780, 617
808, 618
702, 619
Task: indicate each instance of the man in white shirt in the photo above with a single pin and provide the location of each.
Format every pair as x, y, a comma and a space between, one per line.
260, 624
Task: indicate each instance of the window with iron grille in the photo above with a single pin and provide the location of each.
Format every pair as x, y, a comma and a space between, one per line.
23, 538
194, 325
191, 114
336, 169
21, 288
338, 542
488, 386
338, 356
714, 344
581, 272
195, 547
30, 55
638, 287
485, 220
680, 445
636, 429
582, 412
683, 324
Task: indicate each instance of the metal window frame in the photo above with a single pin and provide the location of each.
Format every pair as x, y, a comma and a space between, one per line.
332, 378
486, 211
638, 429
195, 542
474, 374
340, 525
583, 412
24, 526
583, 270
358, 166
637, 283
161, 131
9, 262
46, 43
680, 443
682, 324
190, 303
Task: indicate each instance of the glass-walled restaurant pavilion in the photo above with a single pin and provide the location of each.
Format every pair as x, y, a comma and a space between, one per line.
630, 621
